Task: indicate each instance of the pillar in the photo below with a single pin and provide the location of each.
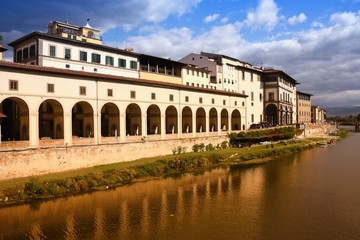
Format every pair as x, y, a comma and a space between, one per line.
68, 128
34, 129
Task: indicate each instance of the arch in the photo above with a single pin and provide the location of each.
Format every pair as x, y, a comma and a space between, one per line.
200, 120
235, 120
51, 120
153, 119
110, 118
186, 120
15, 127
271, 114
224, 120
133, 120
171, 120
213, 120
82, 120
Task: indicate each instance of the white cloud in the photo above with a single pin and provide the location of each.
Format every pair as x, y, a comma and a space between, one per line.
264, 16
297, 19
344, 19
317, 24
211, 18
323, 60
224, 20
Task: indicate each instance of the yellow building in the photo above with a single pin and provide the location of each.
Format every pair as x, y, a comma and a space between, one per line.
66, 30
303, 102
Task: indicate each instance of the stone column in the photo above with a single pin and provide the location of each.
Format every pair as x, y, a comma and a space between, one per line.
68, 128
97, 128
122, 127
34, 129
163, 125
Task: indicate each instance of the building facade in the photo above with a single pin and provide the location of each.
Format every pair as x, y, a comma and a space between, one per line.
280, 98
303, 102
232, 75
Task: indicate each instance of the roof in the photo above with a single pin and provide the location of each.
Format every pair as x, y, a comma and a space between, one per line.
74, 42
105, 77
2, 49
280, 72
145, 56
303, 93
222, 56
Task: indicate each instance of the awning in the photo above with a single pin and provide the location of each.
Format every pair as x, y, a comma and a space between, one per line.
2, 115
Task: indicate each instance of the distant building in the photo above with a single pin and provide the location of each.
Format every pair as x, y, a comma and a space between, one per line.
2, 49
303, 107
318, 115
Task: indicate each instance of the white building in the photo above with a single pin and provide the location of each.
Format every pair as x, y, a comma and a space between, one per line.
232, 75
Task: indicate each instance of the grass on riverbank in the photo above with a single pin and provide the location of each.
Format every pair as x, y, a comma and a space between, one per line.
113, 175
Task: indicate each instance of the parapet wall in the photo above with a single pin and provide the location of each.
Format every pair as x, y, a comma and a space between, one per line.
45, 160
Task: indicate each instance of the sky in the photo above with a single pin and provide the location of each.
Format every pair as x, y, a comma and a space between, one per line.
316, 42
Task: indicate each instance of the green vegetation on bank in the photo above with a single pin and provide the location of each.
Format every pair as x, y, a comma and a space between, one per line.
113, 175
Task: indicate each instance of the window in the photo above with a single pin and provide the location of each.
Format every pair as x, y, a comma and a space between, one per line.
67, 65
133, 64
67, 53
243, 75
200, 100
213, 101
50, 88
171, 97
153, 96
82, 90
187, 71
13, 85
122, 62
26, 53
110, 92
252, 77
19, 55
224, 102
95, 58
52, 51
132, 94
252, 96
187, 84
186, 98
235, 103
32, 50
83, 56
243, 104
252, 117
271, 96
260, 97
109, 60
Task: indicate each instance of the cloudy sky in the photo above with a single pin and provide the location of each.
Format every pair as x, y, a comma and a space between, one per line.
316, 42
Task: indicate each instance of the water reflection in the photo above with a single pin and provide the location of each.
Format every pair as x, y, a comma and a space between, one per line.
289, 199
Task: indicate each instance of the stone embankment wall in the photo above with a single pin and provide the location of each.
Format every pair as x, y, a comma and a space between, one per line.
318, 130
44, 160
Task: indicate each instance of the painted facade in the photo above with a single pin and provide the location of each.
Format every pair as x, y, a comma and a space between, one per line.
303, 107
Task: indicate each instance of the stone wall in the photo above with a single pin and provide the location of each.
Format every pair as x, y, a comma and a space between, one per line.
44, 160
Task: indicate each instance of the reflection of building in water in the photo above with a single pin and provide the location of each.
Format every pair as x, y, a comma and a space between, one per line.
124, 220
99, 224
70, 230
164, 211
145, 219
36, 232
180, 210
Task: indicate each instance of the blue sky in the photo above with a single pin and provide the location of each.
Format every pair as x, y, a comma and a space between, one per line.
316, 42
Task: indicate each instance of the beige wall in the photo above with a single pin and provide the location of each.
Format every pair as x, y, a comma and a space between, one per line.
24, 163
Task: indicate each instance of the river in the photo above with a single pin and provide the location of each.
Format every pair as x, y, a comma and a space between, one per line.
310, 195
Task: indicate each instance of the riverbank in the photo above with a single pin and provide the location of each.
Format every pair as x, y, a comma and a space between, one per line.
25, 190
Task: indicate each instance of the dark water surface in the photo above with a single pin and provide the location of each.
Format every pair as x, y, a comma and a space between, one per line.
312, 195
